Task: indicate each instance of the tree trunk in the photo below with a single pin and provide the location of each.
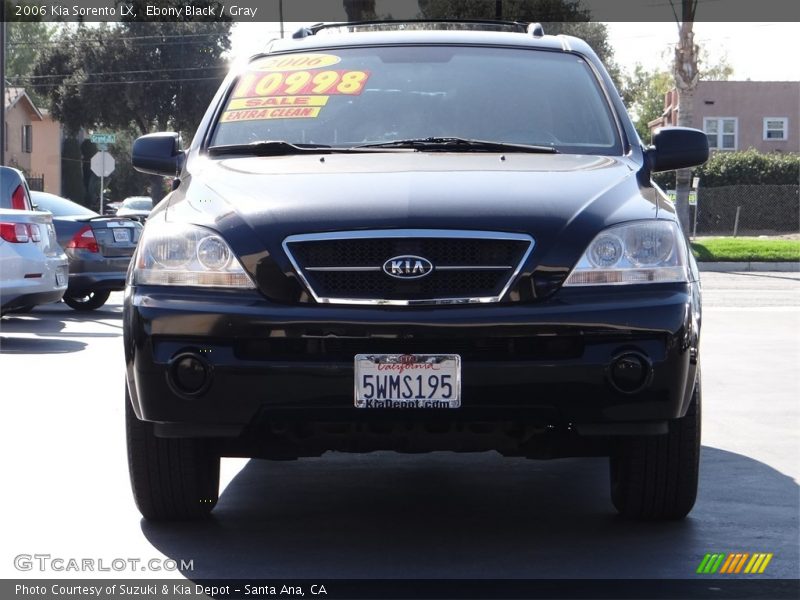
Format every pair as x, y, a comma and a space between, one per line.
686, 78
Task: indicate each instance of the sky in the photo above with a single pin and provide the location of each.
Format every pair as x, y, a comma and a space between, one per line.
756, 51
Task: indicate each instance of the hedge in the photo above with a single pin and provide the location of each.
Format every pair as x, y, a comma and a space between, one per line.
742, 168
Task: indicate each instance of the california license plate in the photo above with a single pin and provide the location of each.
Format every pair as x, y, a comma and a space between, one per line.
122, 234
408, 381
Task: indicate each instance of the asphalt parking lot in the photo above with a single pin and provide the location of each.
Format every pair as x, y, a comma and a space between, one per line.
384, 515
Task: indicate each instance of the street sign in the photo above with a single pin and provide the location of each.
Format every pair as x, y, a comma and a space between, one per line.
103, 164
692, 196
104, 138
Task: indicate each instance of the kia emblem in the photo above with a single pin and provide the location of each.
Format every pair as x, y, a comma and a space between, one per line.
408, 267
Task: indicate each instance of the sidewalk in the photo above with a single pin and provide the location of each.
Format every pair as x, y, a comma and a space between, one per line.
726, 267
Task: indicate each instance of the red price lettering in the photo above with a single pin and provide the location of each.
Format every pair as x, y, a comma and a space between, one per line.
292, 83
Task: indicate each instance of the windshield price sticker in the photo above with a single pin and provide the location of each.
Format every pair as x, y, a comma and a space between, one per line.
244, 103
297, 62
263, 114
301, 83
289, 94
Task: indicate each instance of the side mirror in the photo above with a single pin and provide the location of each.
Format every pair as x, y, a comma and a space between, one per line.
158, 154
677, 148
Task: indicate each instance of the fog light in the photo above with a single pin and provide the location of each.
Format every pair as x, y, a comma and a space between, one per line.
189, 374
630, 372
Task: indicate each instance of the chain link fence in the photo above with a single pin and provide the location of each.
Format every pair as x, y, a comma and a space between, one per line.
748, 210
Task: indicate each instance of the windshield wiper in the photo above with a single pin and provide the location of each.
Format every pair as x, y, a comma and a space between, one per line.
456, 144
269, 148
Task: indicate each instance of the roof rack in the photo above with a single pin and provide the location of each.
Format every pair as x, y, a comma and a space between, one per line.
534, 29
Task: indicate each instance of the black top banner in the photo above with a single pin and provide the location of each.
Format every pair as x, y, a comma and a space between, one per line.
251, 11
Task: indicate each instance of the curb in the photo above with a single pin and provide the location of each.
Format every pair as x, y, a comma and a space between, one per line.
728, 267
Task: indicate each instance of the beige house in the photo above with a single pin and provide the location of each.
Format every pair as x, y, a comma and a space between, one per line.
32, 141
738, 115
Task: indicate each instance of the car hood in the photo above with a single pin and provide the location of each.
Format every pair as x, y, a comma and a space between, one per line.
550, 197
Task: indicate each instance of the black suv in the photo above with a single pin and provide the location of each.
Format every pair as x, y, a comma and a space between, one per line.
415, 238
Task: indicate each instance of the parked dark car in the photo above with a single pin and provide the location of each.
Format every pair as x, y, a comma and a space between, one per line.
415, 240
99, 249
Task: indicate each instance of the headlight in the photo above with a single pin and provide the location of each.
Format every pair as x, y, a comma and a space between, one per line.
176, 254
639, 252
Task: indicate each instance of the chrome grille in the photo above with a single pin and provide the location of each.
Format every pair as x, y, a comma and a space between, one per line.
468, 266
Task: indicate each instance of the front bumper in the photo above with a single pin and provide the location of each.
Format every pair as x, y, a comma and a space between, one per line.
545, 363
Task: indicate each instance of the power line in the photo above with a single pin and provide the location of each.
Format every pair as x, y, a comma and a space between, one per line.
103, 73
127, 82
127, 38
155, 43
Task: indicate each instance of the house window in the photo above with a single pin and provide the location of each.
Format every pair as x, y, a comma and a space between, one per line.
27, 138
775, 129
722, 132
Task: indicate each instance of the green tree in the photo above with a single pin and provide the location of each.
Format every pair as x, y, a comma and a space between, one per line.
25, 42
136, 75
360, 10
643, 93
148, 75
721, 70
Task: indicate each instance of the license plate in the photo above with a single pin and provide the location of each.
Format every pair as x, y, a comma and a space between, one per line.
122, 235
408, 381
61, 277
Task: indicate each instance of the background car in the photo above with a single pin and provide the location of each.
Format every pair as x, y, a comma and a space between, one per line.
136, 207
33, 267
99, 249
111, 208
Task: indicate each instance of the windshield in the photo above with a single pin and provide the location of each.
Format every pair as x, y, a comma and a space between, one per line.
60, 207
354, 96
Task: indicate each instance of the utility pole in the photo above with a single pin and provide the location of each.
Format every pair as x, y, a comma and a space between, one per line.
280, 15
686, 78
3, 81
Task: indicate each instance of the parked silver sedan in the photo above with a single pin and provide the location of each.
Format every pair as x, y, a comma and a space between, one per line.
33, 267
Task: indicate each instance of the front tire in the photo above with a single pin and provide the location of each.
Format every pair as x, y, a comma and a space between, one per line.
173, 479
655, 477
90, 301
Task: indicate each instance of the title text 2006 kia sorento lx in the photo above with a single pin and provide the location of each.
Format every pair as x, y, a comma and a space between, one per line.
414, 240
